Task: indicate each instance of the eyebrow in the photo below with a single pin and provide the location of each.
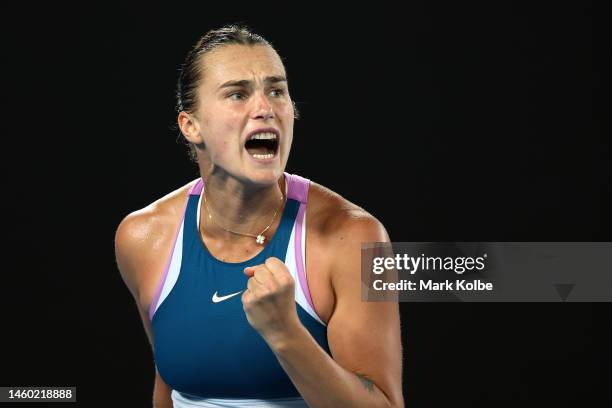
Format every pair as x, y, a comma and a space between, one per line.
246, 83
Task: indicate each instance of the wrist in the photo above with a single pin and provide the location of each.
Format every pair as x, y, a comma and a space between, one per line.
281, 341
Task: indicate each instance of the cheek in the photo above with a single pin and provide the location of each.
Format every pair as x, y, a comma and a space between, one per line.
287, 109
289, 142
223, 146
232, 133
227, 131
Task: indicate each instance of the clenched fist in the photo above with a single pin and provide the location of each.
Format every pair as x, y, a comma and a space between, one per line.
269, 300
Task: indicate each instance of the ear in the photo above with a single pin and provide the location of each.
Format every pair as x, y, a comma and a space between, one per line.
190, 127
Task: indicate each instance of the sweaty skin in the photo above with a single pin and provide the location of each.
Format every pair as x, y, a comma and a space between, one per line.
363, 336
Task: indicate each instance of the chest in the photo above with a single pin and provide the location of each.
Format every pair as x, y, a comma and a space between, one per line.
317, 269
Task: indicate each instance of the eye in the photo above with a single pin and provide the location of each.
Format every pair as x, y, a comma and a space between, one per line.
279, 92
236, 96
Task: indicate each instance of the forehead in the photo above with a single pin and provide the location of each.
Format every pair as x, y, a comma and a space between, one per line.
238, 62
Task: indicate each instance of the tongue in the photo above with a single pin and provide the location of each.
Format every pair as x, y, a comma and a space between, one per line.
258, 150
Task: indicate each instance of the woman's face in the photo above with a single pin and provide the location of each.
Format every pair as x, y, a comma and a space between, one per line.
244, 90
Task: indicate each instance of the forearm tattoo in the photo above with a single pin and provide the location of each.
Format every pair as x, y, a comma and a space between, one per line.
366, 383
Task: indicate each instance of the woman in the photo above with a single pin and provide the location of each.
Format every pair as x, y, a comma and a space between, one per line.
238, 309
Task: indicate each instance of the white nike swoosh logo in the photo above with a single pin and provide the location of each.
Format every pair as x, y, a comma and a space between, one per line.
217, 299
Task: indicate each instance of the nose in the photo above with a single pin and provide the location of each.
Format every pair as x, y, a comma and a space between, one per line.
263, 108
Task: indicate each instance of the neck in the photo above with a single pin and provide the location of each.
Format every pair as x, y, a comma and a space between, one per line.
242, 208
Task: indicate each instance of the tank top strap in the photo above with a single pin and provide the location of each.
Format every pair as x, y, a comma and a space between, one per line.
196, 189
297, 187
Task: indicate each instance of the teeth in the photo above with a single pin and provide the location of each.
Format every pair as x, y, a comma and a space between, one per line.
263, 156
263, 136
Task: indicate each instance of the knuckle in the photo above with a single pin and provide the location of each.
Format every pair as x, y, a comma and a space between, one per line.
272, 261
286, 280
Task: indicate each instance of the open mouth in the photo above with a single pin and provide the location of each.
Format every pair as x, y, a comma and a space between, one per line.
262, 145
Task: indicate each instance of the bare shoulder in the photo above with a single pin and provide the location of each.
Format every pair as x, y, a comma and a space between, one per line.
341, 222
339, 228
143, 238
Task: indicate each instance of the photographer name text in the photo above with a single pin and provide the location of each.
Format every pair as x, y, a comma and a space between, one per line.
430, 285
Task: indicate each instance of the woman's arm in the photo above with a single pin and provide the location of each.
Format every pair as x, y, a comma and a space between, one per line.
161, 393
131, 245
364, 337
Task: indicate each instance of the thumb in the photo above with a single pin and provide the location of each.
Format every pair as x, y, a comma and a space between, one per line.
249, 271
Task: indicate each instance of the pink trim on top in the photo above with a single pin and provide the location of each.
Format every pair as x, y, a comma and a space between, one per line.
298, 256
297, 189
195, 189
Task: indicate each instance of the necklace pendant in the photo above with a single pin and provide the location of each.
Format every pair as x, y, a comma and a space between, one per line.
260, 239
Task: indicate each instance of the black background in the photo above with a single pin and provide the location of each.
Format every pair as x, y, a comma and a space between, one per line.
448, 123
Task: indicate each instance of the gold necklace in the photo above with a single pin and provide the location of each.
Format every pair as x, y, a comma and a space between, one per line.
258, 238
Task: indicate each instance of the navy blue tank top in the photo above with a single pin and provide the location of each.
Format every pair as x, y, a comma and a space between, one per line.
206, 348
